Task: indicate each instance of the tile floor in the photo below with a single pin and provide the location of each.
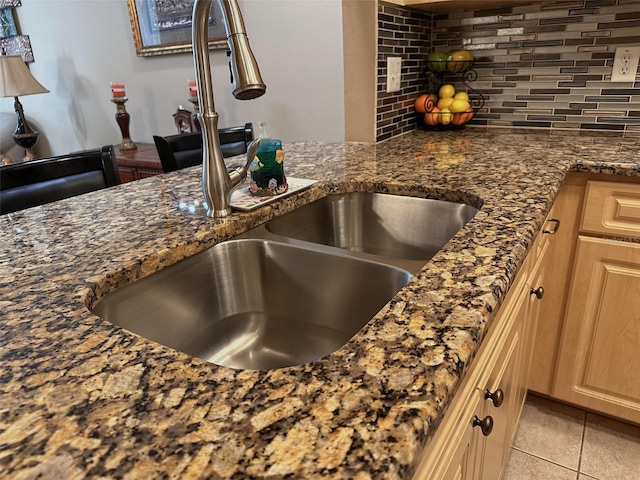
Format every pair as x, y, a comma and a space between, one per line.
556, 441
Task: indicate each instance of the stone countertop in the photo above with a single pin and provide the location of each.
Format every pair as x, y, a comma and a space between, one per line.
80, 397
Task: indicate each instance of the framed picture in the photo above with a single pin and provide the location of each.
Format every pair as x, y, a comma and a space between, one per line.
10, 3
7, 23
18, 45
162, 27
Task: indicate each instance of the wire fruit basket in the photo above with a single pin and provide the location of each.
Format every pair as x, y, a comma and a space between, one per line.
442, 107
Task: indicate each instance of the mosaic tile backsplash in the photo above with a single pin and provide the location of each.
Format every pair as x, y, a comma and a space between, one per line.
544, 64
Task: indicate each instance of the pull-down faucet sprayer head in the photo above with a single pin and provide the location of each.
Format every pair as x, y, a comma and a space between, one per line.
247, 81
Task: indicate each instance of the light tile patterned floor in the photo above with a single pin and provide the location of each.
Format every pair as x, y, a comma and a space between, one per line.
556, 441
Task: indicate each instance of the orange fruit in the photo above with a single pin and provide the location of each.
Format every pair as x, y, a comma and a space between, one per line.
421, 103
432, 118
469, 114
425, 102
432, 102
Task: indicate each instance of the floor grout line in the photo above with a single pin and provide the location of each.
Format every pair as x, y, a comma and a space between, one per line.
545, 460
584, 431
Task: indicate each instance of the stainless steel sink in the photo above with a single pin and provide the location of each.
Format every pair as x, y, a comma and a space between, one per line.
291, 291
385, 225
255, 303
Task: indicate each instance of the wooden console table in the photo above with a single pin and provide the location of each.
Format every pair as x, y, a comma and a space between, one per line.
140, 163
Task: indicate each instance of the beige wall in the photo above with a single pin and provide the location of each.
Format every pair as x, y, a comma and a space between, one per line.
82, 45
360, 25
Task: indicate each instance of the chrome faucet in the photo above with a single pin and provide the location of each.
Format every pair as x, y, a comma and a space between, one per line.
217, 182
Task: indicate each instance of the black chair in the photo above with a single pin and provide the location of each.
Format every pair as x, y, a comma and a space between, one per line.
181, 151
36, 182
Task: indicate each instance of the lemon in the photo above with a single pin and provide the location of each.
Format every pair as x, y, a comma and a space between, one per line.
459, 105
445, 116
446, 91
461, 96
445, 102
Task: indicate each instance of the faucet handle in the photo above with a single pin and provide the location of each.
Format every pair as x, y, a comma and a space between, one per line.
252, 149
238, 174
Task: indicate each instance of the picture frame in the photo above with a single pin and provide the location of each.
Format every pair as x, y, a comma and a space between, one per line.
162, 27
18, 45
7, 23
10, 3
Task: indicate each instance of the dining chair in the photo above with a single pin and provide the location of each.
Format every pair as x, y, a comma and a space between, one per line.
36, 182
185, 150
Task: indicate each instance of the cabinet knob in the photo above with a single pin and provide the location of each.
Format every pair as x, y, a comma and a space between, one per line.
496, 397
555, 228
486, 424
538, 292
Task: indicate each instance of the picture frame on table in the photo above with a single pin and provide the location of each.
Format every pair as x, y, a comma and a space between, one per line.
162, 27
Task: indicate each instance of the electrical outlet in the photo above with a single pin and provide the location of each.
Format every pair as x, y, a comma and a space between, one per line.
625, 64
394, 68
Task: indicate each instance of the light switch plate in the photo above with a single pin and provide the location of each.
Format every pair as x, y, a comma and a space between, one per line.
625, 64
394, 68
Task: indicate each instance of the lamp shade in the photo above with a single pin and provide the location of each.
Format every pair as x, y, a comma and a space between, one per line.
16, 79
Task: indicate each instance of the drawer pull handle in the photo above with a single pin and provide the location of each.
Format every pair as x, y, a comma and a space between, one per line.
556, 226
486, 424
496, 397
538, 292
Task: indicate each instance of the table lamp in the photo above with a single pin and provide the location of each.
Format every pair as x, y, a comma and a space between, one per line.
16, 80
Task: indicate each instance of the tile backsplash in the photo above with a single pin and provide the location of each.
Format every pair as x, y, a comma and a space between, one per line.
542, 65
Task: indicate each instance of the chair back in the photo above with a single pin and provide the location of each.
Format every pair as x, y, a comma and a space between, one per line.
46, 180
181, 151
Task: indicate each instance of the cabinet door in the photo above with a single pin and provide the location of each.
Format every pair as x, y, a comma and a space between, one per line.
451, 454
600, 348
461, 466
465, 445
505, 381
555, 279
536, 368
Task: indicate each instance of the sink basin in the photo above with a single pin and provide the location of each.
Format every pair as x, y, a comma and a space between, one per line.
380, 224
255, 303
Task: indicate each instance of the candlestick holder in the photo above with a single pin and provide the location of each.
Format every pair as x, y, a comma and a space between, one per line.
195, 116
123, 118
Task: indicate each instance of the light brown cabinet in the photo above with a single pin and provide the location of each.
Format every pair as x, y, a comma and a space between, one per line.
600, 347
473, 441
503, 395
588, 344
556, 283
579, 342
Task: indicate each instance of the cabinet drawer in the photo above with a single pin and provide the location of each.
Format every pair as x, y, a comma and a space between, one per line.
611, 208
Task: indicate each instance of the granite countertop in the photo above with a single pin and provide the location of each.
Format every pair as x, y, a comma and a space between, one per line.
80, 397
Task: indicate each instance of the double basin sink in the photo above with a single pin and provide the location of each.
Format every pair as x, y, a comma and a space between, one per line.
293, 290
